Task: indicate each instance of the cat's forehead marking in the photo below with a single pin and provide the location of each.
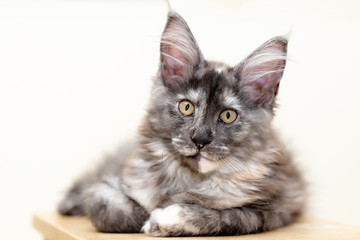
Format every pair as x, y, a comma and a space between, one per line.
217, 67
220, 69
194, 95
230, 99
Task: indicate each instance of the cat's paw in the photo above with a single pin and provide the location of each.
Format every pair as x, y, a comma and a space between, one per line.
164, 222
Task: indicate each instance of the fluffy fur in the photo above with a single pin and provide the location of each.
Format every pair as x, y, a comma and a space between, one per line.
196, 174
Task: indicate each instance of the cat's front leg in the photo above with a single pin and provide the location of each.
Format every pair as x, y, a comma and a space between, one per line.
182, 220
192, 219
170, 221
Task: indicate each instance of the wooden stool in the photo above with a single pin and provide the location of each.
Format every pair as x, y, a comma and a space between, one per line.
56, 227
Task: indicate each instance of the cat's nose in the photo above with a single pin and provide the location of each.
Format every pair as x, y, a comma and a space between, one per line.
202, 137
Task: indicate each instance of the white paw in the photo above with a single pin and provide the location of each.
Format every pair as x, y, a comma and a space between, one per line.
163, 221
167, 216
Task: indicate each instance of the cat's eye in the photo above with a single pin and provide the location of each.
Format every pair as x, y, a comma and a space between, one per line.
186, 107
228, 116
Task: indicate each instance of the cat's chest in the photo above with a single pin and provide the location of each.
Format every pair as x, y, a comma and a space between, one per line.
172, 183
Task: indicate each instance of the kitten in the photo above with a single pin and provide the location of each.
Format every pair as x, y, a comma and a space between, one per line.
207, 160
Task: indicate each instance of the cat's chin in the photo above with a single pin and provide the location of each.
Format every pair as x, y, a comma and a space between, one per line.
201, 163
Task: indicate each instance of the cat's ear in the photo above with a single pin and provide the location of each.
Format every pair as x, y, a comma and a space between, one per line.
260, 73
180, 53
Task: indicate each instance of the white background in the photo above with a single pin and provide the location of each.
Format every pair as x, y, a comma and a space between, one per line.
75, 75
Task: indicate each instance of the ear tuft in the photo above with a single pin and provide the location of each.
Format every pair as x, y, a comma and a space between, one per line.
179, 51
260, 73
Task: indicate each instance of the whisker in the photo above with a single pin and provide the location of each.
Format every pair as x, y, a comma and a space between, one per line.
240, 167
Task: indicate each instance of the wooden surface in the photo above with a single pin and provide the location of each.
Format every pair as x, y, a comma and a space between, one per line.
55, 227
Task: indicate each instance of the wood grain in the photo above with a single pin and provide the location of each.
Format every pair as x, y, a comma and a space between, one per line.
56, 227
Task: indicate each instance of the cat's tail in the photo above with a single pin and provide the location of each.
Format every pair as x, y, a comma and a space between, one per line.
103, 201
73, 203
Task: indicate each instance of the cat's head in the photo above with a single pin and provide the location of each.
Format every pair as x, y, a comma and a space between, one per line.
203, 111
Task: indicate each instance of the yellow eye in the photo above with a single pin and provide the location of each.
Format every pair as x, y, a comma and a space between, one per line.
228, 116
186, 107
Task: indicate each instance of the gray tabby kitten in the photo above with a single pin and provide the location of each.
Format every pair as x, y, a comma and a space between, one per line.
207, 161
